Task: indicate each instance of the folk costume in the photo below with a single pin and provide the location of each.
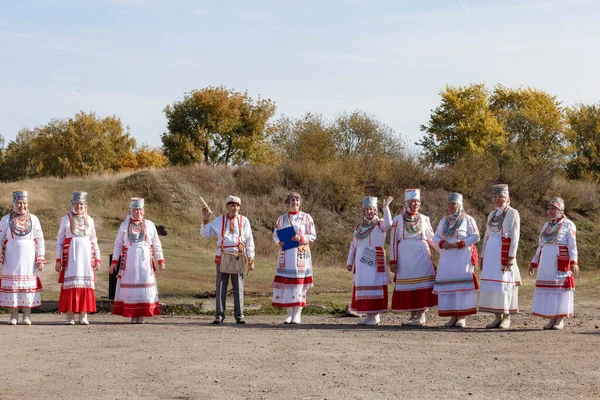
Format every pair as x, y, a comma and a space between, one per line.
367, 257
23, 254
77, 257
234, 236
138, 245
410, 244
293, 276
455, 282
555, 259
500, 276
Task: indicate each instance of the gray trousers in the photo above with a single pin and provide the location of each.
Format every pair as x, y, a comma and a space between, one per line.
237, 281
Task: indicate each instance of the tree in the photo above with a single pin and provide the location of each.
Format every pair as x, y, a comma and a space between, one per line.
81, 145
463, 123
533, 121
216, 125
350, 135
142, 157
20, 160
584, 137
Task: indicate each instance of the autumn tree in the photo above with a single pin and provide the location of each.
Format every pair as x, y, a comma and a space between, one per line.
217, 126
533, 122
81, 145
357, 135
461, 124
143, 157
583, 136
20, 161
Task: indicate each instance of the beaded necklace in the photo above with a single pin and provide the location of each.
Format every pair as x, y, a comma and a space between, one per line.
20, 224
79, 225
136, 230
365, 228
412, 223
550, 234
452, 222
495, 224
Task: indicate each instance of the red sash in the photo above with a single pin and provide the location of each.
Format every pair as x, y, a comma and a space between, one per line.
504, 251
563, 264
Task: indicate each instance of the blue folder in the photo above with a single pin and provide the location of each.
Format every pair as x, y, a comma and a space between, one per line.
285, 235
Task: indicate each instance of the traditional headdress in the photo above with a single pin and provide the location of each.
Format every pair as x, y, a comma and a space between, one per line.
368, 202
412, 194
501, 190
79, 197
234, 199
557, 202
20, 195
136, 202
455, 198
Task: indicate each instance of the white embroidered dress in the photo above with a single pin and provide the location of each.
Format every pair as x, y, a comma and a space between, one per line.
78, 250
136, 294
554, 285
499, 291
455, 283
293, 276
20, 285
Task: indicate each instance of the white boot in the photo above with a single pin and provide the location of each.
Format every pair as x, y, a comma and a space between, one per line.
70, 318
461, 322
495, 323
550, 323
134, 320
14, 316
297, 314
141, 320
83, 318
560, 324
375, 320
366, 319
419, 319
505, 324
290, 315
451, 322
26, 315
413, 316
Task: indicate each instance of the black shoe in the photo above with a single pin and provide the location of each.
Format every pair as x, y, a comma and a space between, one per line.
218, 321
240, 321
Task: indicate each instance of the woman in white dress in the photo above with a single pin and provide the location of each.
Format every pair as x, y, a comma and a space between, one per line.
23, 254
455, 282
500, 276
366, 259
410, 247
77, 260
556, 262
293, 276
137, 242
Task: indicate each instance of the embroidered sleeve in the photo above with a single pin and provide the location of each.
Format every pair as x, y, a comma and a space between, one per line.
60, 238
437, 238
536, 258
249, 239
572, 242
394, 241
118, 247
155, 240
94, 239
516, 234
210, 229
278, 225
351, 252
386, 222
428, 233
40, 248
472, 232
310, 234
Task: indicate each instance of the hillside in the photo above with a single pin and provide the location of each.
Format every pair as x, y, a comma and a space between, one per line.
172, 200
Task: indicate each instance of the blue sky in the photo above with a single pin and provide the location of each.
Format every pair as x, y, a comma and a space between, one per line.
130, 58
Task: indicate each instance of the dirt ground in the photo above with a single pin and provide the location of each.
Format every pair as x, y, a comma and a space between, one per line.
324, 358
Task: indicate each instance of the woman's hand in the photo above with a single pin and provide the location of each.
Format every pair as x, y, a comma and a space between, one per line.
40, 265
296, 238
58, 266
349, 267
531, 269
112, 268
250, 264
510, 261
387, 201
281, 244
97, 265
393, 268
575, 268
445, 245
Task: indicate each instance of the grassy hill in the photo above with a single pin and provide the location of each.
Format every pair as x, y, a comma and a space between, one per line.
330, 196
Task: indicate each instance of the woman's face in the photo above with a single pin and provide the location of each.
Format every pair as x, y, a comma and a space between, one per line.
78, 208
370, 212
22, 207
414, 206
452, 207
233, 209
498, 200
553, 212
137, 213
294, 204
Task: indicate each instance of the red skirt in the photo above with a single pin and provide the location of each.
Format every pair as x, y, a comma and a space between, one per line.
136, 310
414, 300
370, 305
77, 300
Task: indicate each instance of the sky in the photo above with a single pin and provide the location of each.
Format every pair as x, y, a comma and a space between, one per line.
390, 59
